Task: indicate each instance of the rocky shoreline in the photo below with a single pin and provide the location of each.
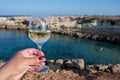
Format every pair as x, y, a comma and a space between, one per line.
80, 65
99, 28
14, 22
75, 69
91, 34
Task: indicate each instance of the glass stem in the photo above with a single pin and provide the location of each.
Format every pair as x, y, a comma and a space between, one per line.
40, 46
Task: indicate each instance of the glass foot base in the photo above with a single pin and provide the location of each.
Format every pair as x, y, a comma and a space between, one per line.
43, 69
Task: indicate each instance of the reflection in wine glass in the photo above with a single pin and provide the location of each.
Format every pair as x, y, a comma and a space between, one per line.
39, 32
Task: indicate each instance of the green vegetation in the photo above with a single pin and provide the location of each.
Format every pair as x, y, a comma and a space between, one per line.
112, 22
86, 21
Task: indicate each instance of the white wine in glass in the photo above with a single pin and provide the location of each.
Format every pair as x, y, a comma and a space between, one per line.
39, 33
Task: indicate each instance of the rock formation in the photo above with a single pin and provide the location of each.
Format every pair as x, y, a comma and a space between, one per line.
21, 22
75, 69
102, 28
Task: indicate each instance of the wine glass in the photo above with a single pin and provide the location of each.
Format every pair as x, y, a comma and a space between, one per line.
39, 33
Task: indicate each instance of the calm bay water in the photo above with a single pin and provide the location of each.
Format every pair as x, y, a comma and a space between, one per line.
60, 47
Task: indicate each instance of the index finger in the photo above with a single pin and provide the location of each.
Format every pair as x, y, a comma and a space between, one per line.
32, 51
39, 53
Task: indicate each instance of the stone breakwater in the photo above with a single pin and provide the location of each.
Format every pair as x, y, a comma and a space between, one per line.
91, 34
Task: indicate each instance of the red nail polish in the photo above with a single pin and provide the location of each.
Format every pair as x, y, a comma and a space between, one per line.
41, 57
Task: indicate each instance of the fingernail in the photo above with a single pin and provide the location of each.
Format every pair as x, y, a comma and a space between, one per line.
41, 57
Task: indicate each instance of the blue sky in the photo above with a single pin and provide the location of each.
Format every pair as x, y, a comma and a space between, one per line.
60, 7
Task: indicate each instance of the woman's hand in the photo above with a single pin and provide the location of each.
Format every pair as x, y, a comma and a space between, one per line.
19, 64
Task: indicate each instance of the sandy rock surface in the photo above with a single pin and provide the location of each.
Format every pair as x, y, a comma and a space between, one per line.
70, 75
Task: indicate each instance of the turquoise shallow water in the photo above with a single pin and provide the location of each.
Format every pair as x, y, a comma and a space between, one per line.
60, 47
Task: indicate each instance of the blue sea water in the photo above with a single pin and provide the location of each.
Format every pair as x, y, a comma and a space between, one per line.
60, 47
